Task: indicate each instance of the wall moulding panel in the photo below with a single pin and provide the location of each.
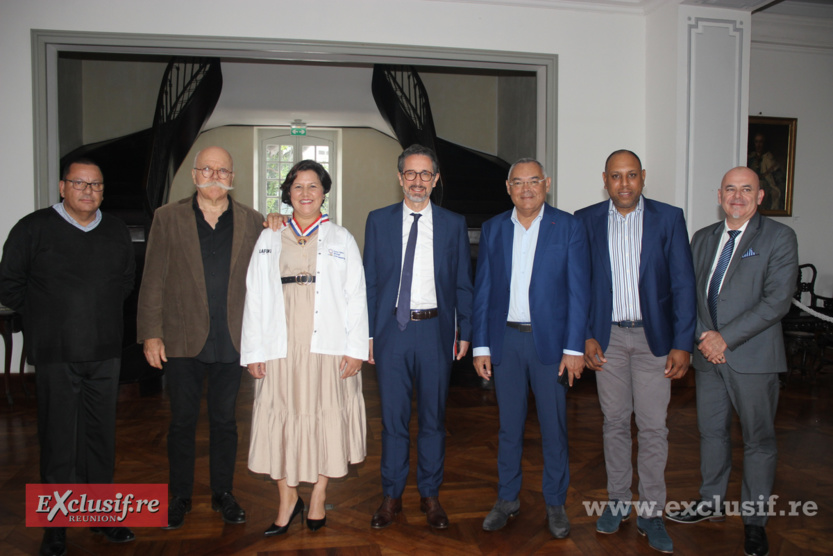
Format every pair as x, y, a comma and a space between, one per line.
714, 47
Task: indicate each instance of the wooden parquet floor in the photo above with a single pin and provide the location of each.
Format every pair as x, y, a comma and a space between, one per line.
805, 430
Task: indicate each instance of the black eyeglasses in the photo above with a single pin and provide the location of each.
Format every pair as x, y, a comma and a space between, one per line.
207, 172
81, 185
411, 175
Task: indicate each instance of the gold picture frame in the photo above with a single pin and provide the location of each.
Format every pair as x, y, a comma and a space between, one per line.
771, 154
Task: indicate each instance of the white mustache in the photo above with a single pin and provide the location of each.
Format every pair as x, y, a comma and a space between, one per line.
221, 185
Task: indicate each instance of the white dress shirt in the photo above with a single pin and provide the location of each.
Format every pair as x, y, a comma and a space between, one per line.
423, 290
524, 243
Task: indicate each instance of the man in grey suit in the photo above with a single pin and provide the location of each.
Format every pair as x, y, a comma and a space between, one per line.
746, 270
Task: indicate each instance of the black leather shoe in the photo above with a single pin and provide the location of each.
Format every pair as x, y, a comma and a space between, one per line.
386, 513
54, 542
695, 512
434, 512
754, 541
228, 506
115, 534
275, 529
177, 508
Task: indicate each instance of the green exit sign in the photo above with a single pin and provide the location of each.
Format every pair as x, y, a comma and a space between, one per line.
298, 131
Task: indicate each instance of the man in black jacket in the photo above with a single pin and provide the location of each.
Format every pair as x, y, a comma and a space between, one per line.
67, 269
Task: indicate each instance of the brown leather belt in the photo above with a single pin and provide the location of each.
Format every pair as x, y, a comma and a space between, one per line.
422, 314
522, 326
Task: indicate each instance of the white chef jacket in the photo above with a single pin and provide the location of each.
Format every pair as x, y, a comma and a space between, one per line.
340, 324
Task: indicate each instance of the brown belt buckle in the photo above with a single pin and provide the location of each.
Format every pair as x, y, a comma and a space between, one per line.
423, 314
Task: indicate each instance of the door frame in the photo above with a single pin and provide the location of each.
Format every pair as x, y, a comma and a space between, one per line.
47, 44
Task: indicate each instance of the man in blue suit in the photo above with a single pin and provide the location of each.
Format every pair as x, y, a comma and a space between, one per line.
418, 292
639, 336
530, 315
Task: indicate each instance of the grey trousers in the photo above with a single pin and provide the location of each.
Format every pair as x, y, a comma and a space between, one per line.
633, 382
755, 398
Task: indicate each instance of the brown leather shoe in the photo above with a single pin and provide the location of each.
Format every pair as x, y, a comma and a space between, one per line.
386, 513
434, 513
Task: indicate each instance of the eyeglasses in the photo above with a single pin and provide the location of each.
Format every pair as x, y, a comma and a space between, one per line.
534, 182
207, 172
411, 175
81, 185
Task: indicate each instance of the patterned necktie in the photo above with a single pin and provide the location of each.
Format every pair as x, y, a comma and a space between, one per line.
403, 308
719, 271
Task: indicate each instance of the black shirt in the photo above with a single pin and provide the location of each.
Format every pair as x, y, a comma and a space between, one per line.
215, 247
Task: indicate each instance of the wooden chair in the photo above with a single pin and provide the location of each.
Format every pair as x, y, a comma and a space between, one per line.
804, 334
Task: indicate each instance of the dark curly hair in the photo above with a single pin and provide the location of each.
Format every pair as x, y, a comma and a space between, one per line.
323, 176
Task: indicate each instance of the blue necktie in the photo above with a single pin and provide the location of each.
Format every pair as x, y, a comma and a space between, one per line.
719, 271
403, 308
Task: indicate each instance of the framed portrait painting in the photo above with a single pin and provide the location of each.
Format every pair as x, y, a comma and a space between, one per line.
771, 154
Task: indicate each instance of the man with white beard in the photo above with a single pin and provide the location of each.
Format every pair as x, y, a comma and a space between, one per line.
190, 317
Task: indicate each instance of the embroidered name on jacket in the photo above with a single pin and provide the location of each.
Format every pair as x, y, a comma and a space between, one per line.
336, 254
264, 251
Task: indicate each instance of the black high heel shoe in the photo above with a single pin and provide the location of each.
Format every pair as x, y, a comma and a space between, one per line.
316, 524
281, 529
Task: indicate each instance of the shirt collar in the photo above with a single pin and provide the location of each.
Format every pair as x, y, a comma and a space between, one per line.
537, 218
196, 205
407, 211
60, 209
640, 208
198, 211
742, 229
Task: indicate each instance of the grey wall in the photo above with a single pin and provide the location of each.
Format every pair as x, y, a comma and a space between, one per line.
464, 108
70, 108
516, 117
791, 76
119, 98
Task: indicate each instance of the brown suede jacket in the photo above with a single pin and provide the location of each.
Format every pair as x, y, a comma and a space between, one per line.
173, 303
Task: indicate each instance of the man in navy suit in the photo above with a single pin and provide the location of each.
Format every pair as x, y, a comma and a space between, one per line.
531, 299
746, 270
426, 267
639, 336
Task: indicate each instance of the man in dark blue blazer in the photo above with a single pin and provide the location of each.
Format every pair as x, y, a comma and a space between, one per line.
530, 316
420, 252
639, 336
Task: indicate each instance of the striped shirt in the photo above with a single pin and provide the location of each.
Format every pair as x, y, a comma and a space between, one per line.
624, 241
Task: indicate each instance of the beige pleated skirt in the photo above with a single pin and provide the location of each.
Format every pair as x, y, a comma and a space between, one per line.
306, 421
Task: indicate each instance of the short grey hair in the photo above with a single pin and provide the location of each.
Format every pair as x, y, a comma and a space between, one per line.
526, 161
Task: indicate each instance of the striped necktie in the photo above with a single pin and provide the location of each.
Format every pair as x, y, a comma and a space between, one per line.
719, 271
